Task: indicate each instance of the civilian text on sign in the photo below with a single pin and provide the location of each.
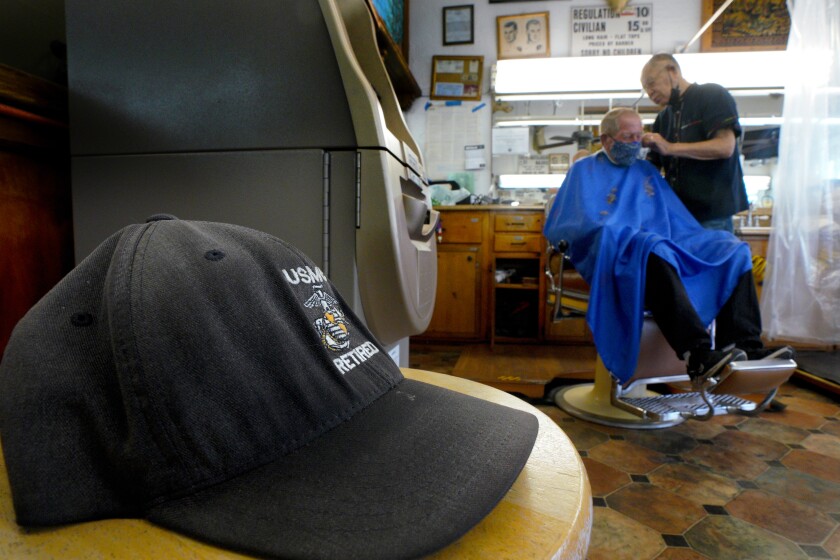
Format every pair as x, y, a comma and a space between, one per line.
601, 31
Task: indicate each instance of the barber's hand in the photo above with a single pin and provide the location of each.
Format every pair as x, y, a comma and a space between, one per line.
656, 142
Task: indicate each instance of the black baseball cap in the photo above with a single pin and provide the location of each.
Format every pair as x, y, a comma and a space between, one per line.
208, 377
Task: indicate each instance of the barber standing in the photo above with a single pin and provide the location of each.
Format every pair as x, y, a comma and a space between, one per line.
695, 141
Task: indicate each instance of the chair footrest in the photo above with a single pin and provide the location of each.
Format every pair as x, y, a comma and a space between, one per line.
687, 405
753, 376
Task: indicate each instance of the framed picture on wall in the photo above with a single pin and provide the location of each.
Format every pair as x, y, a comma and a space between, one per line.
390, 16
746, 26
458, 25
457, 78
523, 36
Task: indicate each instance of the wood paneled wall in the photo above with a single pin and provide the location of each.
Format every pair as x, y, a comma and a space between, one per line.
36, 230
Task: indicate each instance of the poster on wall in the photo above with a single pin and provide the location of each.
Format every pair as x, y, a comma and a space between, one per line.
456, 78
392, 14
602, 31
743, 26
511, 141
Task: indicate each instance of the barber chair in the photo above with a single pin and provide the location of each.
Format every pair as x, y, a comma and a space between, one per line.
632, 404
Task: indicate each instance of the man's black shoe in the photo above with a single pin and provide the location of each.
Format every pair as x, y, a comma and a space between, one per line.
783, 353
703, 363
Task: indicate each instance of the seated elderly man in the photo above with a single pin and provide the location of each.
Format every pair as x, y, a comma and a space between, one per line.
639, 248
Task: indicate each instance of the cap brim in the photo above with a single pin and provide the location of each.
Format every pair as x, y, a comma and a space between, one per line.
401, 479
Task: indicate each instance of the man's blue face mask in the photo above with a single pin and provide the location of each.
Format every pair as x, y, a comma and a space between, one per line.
625, 153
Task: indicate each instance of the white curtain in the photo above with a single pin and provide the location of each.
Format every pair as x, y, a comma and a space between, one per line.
801, 295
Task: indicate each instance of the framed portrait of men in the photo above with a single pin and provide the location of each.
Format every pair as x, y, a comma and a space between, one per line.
523, 36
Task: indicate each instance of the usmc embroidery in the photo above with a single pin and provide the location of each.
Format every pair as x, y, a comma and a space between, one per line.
330, 325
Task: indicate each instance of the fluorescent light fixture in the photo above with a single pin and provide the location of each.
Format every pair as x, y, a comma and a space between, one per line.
620, 75
832, 121
549, 121
619, 95
595, 121
757, 92
545, 121
569, 75
760, 121
569, 96
547, 181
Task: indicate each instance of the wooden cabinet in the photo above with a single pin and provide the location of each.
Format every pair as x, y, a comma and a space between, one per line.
757, 238
491, 284
459, 305
461, 228
512, 242
531, 221
517, 309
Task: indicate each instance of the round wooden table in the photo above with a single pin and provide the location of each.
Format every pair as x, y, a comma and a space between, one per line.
546, 514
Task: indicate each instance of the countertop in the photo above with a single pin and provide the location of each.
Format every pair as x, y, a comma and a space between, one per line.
756, 231
495, 207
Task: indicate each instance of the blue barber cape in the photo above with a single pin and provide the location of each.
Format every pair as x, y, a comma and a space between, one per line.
613, 217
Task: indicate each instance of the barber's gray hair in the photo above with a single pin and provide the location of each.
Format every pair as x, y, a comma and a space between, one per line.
609, 124
663, 60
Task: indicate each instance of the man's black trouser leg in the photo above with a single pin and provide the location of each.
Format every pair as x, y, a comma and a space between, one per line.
738, 322
667, 300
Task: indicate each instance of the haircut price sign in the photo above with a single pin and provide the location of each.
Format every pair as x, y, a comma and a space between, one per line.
601, 31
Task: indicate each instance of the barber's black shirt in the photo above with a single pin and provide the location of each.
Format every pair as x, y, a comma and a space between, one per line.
710, 189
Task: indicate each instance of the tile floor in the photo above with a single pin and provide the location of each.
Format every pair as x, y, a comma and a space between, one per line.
732, 488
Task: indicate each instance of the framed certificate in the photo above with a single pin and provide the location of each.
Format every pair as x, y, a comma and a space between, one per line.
458, 25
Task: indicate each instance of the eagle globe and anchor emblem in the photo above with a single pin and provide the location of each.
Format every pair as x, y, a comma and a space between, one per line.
331, 326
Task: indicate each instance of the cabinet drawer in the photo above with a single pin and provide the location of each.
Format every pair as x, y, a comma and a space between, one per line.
528, 242
461, 227
519, 222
